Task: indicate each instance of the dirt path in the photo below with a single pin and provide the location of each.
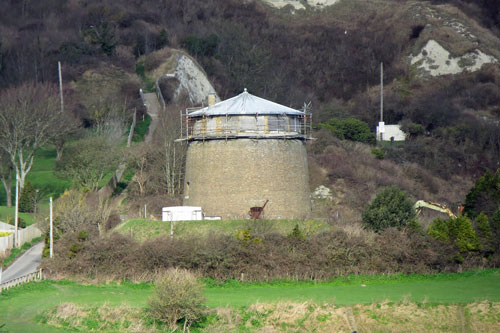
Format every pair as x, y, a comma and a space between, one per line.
154, 108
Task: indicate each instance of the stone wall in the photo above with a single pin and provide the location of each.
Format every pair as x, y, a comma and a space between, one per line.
226, 178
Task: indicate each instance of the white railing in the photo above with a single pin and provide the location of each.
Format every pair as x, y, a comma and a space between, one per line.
35, 276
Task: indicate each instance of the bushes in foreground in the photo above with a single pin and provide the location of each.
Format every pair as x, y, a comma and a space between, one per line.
323, 256
177, 295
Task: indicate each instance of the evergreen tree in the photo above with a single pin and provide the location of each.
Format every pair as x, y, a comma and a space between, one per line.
27, 199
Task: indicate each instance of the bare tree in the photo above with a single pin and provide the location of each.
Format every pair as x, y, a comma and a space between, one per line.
68, 127
139, 158
173, 153
89, 160
6, 171
28, 115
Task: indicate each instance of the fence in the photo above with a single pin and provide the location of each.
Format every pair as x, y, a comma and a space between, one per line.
25, 235
35, 276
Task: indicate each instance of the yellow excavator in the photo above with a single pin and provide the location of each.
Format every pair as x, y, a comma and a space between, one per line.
421, 204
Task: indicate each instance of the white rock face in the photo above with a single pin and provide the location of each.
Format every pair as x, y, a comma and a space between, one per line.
436, 60
282, 3
322, 192
193, 81
297, 5
321, 3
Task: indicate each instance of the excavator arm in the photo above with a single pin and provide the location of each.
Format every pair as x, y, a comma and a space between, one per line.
420, 204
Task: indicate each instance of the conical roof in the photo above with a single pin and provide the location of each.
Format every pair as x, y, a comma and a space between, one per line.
245, 104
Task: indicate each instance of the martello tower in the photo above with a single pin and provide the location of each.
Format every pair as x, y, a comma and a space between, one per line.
244, 151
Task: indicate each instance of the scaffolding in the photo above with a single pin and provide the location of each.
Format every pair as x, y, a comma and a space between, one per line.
259, 126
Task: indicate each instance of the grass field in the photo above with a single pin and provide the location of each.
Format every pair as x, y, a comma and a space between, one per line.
141, 229
9, 212
42, 176
20, 307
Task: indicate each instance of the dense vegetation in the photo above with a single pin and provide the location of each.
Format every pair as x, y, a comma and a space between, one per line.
330, 58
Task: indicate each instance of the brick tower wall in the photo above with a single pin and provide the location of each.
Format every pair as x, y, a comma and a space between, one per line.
226, 178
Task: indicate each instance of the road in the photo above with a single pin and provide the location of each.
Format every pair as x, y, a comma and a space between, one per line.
25, 264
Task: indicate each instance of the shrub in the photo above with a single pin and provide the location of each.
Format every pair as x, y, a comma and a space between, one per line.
83, 235
21, 223
391, 208
199, 46
458, 232
484, 233
412, 129
27, 199
350, 129
378, 153
113, 221
484, 196
177, 295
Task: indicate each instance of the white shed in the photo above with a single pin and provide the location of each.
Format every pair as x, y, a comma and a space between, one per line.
390, 132
182, 213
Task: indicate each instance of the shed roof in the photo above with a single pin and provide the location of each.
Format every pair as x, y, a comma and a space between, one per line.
245, 104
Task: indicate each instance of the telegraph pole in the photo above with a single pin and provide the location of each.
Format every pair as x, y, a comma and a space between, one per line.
16, 216
381, 125
60, 86
51, 230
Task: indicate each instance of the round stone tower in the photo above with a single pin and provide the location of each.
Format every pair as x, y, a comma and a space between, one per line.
247, 152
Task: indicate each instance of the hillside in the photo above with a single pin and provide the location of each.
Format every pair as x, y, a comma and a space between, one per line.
441, 65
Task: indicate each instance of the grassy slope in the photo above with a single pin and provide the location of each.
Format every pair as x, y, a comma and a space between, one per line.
20, 306
6, 212
141, 229
42, 176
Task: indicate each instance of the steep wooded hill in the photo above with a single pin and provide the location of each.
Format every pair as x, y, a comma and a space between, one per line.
441, 60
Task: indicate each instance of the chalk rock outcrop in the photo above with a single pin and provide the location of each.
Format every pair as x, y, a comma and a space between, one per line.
435, 60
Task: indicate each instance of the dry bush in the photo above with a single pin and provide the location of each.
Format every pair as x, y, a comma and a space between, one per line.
154, 205
112, 221
381, 316
121, 318
346, 250
177, 295
355, 176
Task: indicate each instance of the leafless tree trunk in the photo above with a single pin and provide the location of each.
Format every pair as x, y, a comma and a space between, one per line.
174, 152
7, 185
28, 116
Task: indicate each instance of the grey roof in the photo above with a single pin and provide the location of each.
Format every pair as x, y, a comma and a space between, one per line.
245, 104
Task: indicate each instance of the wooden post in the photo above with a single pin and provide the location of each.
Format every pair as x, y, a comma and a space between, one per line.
60, 86
51, 230
16, 214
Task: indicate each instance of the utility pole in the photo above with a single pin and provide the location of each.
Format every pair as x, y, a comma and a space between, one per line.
381, 92
51, 230
16, 216
381, 125
60, 86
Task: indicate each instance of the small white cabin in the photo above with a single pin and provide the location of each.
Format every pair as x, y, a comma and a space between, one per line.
181, 213
390, 132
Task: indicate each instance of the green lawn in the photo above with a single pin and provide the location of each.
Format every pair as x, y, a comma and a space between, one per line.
20, 306
6, 212
42, 176
142, 229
